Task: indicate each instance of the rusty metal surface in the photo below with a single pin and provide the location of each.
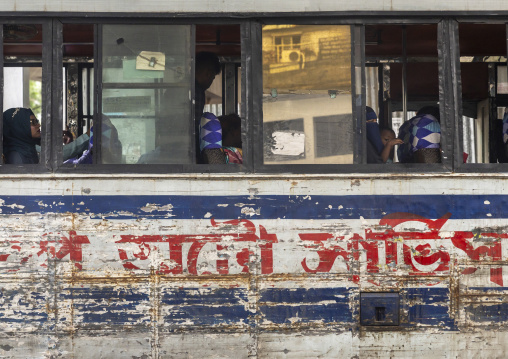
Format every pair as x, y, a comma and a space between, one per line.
130, 268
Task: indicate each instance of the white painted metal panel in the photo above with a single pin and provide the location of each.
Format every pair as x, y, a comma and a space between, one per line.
218, 6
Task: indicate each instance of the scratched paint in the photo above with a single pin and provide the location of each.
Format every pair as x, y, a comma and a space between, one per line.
172, 274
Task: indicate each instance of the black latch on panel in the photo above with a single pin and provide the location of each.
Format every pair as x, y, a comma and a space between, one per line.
379, 308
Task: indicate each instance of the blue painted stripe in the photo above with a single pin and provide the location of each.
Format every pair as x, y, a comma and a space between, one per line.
487, 313
297, 295
22, 307
326, 305
269, 207
215, 296
108, 306
205, 306
428, 307
483, 312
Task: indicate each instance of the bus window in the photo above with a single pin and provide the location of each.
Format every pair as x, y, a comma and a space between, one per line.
484, 92
218, 55
22, 48
150, 108
146, 109
78, 74
307, 104
403, 89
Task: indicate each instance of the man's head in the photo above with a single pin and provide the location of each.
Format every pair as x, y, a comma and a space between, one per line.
231, 130
387, 134
429, 110
207, 67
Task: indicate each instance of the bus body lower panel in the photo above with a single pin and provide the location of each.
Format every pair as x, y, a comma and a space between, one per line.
263, 268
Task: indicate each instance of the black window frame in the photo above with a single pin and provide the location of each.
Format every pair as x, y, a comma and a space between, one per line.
44, 165
251, 93
358, 71
459, 166
59, 167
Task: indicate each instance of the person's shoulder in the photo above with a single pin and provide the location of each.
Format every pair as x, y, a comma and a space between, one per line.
14, 158
430, 123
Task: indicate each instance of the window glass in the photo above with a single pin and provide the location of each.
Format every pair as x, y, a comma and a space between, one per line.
146, 101
22, 90
484, 93
307, 104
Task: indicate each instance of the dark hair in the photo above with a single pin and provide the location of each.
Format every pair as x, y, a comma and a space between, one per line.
207, 59
231, 125
230, 122
68, 134
381, 129
430, 110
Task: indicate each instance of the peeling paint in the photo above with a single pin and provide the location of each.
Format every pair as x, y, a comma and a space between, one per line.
134, 276
151, 207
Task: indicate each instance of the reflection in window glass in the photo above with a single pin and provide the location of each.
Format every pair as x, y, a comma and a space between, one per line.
22, 50
307, 101
145, 103
484, 88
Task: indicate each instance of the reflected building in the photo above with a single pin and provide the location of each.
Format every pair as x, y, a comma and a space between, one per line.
307, 104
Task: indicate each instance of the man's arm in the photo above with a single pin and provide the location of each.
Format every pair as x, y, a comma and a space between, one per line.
76, 147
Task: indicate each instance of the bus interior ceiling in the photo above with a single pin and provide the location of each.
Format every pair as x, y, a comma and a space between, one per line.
78, 40
480, 44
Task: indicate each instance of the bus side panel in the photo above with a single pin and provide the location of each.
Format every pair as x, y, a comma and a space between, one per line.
253, 268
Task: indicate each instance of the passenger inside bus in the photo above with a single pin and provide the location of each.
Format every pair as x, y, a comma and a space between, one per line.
374, 143
21, 133
389, 140
504, 152
422, 137
220, 139
210, 140
378, 149
111, 146
67, 136
232, 137
75, 148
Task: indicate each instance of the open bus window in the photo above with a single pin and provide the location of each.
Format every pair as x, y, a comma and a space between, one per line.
22, 48
307, 104
403, 89
218, 45
484, 92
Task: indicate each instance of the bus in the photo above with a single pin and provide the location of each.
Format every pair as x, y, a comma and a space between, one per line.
136, 247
